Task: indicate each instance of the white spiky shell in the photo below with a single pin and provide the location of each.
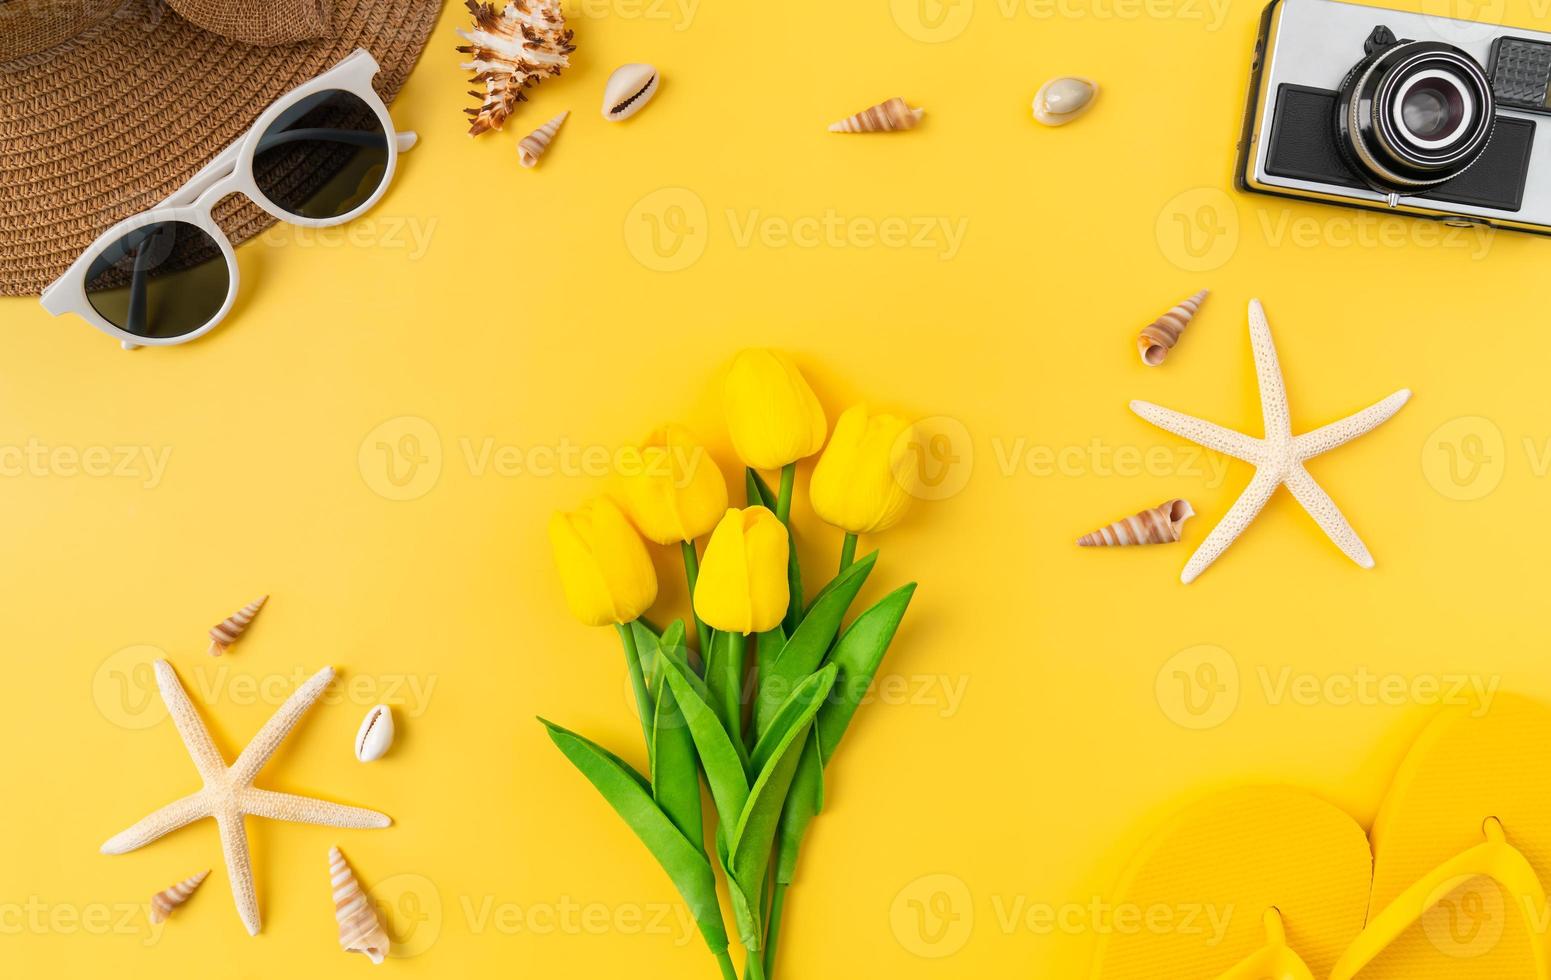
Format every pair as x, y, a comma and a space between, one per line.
511, 50
163, 902
226, 632
535, 143
360, 928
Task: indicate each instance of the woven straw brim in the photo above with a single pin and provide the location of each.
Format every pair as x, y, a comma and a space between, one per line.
112, 121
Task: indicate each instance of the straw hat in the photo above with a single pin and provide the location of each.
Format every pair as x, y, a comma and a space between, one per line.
108, 106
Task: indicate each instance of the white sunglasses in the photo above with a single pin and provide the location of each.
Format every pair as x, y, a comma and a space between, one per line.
321, 155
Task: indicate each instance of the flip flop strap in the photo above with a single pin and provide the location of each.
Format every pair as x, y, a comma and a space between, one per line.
1495, 859
1273, 961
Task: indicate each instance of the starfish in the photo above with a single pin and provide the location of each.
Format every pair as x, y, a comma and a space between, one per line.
229, 794
1278, 457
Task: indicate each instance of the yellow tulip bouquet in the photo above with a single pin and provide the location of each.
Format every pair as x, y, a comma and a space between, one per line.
761, 721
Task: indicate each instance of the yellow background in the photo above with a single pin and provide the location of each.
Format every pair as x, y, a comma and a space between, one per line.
536, 315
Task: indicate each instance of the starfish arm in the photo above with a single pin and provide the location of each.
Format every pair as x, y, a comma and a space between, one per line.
1199, 431
1327, 515
304, 809
1339, 433
278, 727
1239, 516
207, 758
239, 868
174, 815
1268, 371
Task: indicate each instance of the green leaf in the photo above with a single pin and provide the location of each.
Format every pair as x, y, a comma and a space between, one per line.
792, 712
858, 653
676, 768
803, 803
802, 654
627, 792
759, 492
719, 754
750, 845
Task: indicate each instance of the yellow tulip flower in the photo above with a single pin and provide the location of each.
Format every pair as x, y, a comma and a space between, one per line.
607, 575
773, 416
672, 487
742, 585
854, 484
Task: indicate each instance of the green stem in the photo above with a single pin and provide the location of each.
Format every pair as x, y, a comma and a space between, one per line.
848, 551
725, 962
692, 573
773, 933
643, 700
754, 966
784, 514
737, 644
784, 495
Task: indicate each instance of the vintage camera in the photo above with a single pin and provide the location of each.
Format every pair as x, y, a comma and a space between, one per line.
1393, 111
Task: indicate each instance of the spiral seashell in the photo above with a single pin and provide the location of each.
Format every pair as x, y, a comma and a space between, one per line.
885, 117
360, 928
163, 902
1159, 337
1162, 524
532, 146
1061, 100
226, 632
628, 90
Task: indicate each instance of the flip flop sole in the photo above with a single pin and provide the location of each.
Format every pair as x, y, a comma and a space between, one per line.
1469, 764
1197, 895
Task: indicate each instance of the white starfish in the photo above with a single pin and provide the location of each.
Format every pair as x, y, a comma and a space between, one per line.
1278, 457
229, 794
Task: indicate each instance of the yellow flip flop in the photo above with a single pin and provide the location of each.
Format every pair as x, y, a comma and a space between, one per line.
1462, 849
1264, 883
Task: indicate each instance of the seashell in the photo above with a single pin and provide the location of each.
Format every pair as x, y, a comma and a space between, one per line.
512, 50
376, 734
226, 632
535, 143
885, 117
163, 902
1159, 337
1160, 525
1063, 99
360, 927
628, 89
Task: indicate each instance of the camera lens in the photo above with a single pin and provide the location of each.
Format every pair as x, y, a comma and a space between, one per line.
1414, 114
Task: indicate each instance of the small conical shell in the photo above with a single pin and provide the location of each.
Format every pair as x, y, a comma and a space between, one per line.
1063, 99
225, 633
885, 117
535, 143
163, 902
1159, 337
1160, 525
360, 928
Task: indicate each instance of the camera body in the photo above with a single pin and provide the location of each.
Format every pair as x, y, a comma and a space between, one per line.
1411, 113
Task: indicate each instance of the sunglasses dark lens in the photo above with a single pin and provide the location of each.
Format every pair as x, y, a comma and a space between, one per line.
323, 157
159, 281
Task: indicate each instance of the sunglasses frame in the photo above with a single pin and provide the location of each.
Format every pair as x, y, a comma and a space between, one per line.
231, 172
